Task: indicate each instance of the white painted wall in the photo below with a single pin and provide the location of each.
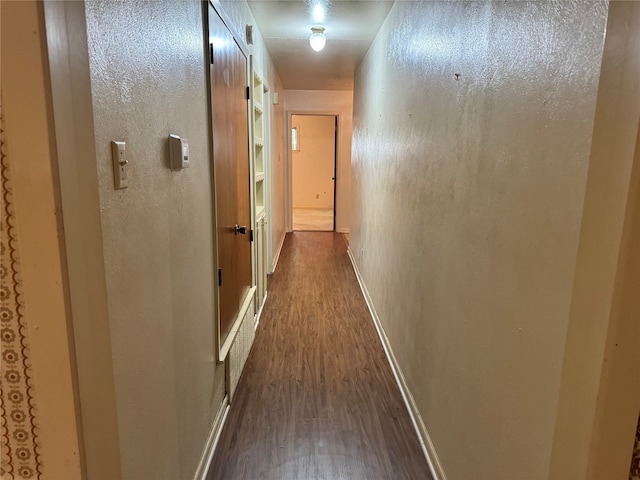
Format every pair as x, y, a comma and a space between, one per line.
470, 215
338, 103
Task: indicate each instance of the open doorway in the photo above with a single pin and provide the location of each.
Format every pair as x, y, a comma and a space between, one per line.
313, 159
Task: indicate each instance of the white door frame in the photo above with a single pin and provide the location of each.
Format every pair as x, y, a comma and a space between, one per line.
288, 223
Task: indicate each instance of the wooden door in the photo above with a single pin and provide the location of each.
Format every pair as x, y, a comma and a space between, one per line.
228, 73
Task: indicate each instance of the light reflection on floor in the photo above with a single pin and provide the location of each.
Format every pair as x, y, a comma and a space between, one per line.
313, 219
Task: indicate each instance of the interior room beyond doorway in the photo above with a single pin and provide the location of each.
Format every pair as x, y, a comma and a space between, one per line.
313, 153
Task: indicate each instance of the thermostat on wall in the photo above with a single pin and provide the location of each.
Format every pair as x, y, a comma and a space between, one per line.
178, 152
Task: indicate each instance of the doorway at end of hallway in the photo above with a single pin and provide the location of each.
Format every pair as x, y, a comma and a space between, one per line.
313, 154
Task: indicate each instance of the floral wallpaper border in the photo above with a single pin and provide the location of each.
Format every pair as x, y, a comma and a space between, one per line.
19, 440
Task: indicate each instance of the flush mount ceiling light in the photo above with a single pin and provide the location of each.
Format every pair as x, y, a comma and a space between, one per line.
317, 39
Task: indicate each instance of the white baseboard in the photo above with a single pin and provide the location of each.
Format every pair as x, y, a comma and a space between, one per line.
342, 230
212, 441
275, 260
425, 440
259, 314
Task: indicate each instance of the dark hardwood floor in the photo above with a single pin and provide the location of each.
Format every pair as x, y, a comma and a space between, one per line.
317, 398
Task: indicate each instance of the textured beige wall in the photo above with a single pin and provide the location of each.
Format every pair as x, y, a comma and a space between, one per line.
618, 401
37, 273
333, 102
472, 135
600, 393
313, 165
148, 80
75, 144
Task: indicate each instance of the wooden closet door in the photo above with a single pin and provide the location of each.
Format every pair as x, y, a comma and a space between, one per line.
228, 73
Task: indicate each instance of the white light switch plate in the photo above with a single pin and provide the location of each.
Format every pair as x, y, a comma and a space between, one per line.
120, 164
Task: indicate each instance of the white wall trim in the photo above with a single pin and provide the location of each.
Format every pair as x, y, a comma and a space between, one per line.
259, 314
342, 230
416, 418
277, 257
338, 161
212, 440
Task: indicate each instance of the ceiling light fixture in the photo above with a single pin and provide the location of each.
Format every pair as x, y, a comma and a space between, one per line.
317, 40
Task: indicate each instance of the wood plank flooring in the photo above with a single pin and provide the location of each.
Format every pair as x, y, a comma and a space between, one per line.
317, 398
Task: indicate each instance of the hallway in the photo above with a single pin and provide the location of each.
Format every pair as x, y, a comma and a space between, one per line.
487, 177
317, 398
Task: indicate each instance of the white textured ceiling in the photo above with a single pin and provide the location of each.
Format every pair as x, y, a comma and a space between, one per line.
350, 27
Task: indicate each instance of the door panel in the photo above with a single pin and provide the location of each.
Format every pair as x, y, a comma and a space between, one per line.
228, 74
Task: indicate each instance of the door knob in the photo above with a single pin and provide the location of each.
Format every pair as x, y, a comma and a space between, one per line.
242, 230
